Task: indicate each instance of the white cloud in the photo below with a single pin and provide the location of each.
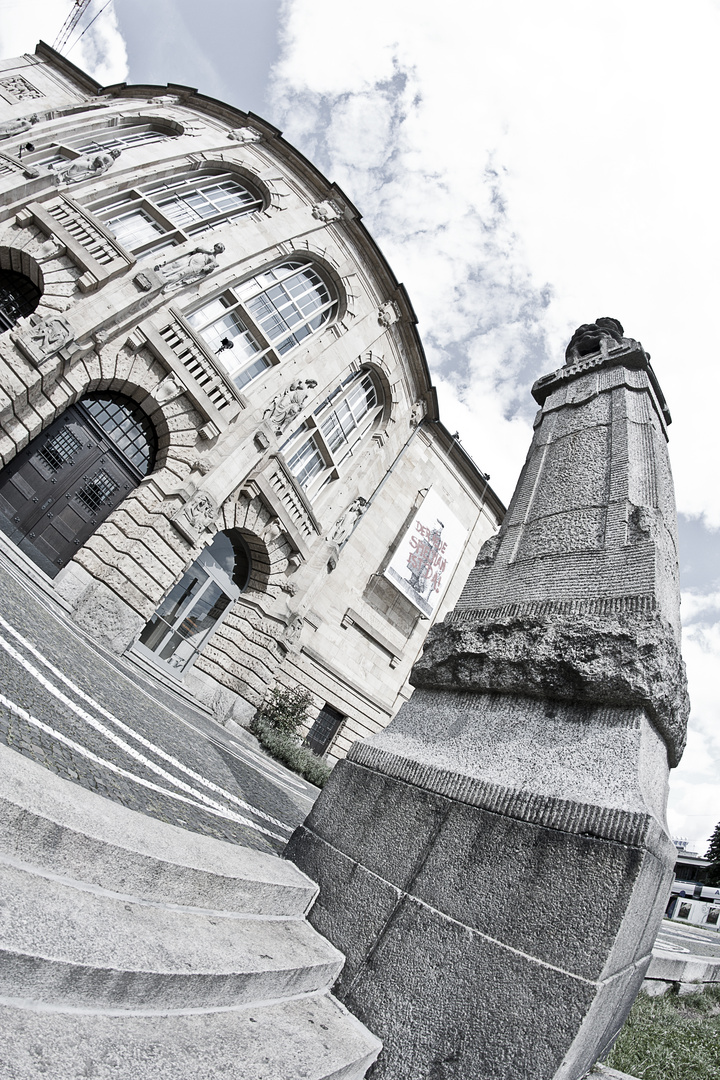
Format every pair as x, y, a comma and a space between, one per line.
101, 51
695, 800
527, 167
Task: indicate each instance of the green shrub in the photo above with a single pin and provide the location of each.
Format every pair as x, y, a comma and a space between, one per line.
671, 1038
286, 749
285, 710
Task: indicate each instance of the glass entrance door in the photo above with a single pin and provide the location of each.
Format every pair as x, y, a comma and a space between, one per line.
194, 607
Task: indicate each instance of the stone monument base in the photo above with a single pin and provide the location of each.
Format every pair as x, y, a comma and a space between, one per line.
493, 930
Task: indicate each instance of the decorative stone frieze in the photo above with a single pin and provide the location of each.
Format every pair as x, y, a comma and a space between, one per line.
18, 88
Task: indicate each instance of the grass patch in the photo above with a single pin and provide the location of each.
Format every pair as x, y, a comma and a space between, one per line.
286, 749
671, 1038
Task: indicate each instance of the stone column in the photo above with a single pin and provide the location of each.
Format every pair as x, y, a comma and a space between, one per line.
496, 862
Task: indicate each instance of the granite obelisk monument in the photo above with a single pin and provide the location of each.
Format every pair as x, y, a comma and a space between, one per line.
496, 862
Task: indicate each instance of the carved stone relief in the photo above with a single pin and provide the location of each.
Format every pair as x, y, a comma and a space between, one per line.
288, 405
388, 313
417, 413
244, 135
16, 127
197, 515
84, 168
182, 270
327, 211
293, 630
16, 88
168, 389
44, 337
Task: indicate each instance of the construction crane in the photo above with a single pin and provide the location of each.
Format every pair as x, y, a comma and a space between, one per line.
76, 13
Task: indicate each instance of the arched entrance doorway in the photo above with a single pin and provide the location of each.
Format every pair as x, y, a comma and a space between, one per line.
19, 296
197, 604
61, 487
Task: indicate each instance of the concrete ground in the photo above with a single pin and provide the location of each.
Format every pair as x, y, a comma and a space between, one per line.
686, 939
103, 722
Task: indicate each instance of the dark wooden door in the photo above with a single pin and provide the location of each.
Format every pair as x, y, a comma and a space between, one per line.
57, 491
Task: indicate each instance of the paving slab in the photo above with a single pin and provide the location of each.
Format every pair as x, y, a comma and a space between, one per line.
107, 725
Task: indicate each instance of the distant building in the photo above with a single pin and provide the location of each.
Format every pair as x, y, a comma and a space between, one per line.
220, 441
691, 898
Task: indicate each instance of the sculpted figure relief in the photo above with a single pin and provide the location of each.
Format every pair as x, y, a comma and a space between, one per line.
192, 266
345, 524
85, 167
286, 406
16, 127
589, 338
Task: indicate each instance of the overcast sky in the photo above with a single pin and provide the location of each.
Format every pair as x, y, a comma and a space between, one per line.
525, 167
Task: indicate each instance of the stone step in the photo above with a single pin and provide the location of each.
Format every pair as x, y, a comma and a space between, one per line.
66, 943
47, 821
309, 1039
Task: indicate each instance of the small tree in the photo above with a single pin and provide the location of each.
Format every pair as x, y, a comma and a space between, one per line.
712, 873
286, 710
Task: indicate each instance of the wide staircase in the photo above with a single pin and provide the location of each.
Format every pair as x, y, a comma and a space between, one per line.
134, 950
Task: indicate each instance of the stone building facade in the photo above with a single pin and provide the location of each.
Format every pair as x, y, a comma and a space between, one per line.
221, 447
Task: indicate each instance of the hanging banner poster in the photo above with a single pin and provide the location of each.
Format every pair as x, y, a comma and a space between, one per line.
427, 555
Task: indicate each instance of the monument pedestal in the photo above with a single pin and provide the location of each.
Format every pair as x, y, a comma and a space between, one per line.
495, 864
497, 907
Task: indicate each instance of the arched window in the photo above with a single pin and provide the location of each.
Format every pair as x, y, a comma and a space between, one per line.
18, 297
119, 136
197, 604
159, 215
317, 449
269, 313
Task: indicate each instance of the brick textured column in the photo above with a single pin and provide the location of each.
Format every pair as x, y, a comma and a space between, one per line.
496, 862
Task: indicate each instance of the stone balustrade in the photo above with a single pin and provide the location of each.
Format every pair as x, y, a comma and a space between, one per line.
87, 242
181, 352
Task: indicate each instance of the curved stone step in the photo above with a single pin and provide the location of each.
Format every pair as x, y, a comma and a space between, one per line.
49, 822
310, 1039
62, 943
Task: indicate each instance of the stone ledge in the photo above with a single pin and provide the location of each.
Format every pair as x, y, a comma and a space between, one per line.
689, 974
621, 826
613, 659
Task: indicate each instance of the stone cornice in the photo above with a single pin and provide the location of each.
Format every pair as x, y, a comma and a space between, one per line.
630, 355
